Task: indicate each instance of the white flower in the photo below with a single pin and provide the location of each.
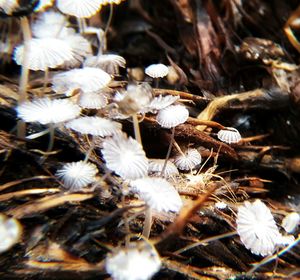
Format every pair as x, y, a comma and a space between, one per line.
94, 126
189, 160
257, 228
172, 116
125, 156
44, 53
156, 165
158, 194
87, 79
45, 110
110, 63
79, 8
10, 232
92, 100
157, 70
229, 135
290, 222
138, 262
160, 102
76, 175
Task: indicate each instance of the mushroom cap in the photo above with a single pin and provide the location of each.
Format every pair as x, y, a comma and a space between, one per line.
257, 228
96, 126
157, 70
125, 156
290, 222
79, 8
87, 79
11, 231
156, 166
172, 116
158, 194
138, 262
92, 100
43, 53
189, 160
229, 135
76, 175
45, 110
110, 63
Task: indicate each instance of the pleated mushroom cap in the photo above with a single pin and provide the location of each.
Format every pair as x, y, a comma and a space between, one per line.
172, 116
229, 135
189, 160
87, 79
44, 53
96, 126
79, 8
125, 156
257, 228
45, 110
157, 70
157, 193
77, 175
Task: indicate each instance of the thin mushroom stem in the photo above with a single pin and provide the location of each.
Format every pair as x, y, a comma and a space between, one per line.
169, 152
147, 223
21, 126
136, 127
46, 78
90, 150
51, 137
103, 43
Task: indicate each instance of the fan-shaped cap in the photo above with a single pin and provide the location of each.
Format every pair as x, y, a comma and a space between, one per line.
45, 110
158, 194
110, 63
189, 160
156, 166
76, 175
44, 53
11, 231
172, 116
229, 135
157, 70
290, 222
92, 100
95, 126
257, 228
138, 262
125, 156
79, 8
87, 79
